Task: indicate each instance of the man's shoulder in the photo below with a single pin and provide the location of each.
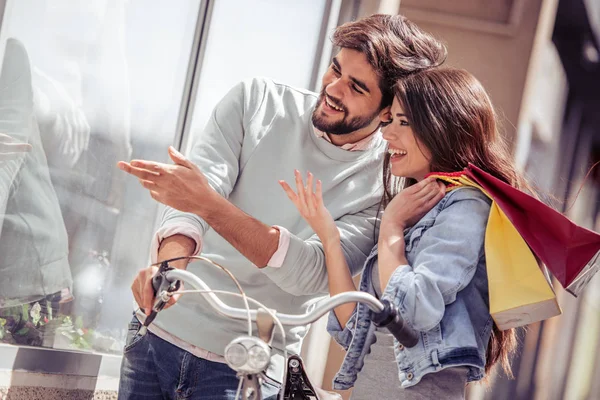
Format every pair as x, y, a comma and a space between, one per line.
273, 88
266, 98
276, 84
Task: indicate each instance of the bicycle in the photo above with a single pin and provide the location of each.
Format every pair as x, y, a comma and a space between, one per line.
250, 355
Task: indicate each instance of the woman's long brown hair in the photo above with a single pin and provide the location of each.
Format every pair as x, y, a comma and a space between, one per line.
451, 114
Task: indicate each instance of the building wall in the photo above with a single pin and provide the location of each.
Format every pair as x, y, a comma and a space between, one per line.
495, 46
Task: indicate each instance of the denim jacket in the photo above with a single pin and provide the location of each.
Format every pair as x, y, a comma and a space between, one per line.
442, 293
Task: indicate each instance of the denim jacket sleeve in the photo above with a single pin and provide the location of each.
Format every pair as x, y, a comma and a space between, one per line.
444, 262
341, 335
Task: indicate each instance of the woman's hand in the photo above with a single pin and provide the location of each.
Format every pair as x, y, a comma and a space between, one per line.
405, 210
310, 205
412, 203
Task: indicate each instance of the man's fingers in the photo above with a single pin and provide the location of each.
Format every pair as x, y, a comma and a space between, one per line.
150, 185
137, 293
148, 295
155, 195
140, 173
179, 158
172, 300
151, 166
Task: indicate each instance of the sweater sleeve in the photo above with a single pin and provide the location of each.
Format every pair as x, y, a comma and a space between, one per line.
216, 150
303, 270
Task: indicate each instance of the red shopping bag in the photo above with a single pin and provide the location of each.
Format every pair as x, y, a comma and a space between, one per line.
569, 251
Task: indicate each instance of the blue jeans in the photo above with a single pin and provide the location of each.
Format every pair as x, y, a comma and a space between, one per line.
154, 369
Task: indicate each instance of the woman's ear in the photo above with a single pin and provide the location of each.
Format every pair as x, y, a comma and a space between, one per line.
385, 116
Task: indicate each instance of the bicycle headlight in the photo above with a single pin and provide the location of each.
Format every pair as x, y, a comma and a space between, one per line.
236, 355
258, 357
248, 354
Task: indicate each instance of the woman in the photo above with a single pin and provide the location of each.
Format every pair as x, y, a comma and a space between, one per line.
430, 258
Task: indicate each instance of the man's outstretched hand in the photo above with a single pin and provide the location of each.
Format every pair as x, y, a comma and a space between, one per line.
181, 186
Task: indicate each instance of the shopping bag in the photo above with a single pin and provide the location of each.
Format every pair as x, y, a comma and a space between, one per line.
569, 251
519, 291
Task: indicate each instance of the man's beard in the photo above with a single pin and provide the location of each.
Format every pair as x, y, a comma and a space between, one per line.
340, 127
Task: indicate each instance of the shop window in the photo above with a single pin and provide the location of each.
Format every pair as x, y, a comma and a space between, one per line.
86, 84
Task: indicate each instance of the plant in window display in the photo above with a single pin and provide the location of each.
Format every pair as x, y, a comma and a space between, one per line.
76, 335
25, 324
37, 325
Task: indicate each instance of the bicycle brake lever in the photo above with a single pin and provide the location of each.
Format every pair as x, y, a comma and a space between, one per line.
162, 291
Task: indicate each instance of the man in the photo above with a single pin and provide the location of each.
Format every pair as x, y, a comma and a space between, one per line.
260, 133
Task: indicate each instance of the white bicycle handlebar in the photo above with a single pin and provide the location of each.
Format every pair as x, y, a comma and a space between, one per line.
384, 313
320, 309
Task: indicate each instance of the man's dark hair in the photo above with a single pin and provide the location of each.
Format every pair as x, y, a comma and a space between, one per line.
394, 46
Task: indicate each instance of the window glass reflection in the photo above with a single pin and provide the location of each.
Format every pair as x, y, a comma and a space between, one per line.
279, 41
83, 85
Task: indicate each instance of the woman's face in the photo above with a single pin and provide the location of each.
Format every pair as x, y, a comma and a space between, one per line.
409, 157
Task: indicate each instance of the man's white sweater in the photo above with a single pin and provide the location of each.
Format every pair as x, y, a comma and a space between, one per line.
257, 135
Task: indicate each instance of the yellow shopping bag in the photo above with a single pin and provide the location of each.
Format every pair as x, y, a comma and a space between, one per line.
520, 293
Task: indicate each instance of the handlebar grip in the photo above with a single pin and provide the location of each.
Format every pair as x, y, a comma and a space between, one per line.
390, 318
